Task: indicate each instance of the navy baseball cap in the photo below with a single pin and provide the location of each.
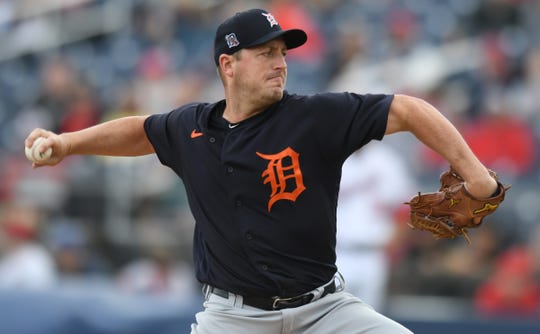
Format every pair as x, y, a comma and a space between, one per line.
251, 28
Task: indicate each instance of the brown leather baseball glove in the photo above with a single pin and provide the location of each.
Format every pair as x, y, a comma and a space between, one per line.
448, 212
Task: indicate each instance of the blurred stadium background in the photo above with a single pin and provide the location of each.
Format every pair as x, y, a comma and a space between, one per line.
107, 242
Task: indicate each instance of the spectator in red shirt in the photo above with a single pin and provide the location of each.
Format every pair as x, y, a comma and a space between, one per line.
512, 290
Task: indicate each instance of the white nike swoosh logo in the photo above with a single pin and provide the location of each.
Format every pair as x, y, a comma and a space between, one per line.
232, 126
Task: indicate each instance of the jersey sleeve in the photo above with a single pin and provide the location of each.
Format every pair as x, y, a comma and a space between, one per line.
347, 121
161, 130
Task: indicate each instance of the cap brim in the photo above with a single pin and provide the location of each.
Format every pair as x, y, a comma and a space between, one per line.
293, 38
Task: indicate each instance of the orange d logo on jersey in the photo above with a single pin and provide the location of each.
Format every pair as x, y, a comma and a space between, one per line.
284, 175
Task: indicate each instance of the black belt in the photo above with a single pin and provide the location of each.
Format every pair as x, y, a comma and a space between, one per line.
278, 303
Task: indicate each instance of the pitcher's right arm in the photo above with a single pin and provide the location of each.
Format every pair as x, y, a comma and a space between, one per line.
120, 137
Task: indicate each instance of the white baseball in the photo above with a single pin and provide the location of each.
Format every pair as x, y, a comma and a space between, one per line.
33, 153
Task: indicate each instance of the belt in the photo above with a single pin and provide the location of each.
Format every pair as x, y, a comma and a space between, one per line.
278, 303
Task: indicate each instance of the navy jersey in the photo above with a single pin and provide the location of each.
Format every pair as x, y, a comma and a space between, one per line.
264, 193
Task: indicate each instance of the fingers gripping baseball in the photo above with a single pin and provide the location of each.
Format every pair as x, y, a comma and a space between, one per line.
44, 148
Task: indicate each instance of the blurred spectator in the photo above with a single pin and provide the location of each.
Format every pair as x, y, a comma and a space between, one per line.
158, 274
24, 261
82, 111
512, 290
124, 103
528, 100
7, 13
492, 15
402, 25
69, 244
451, 268
347, 46
533, 244
375, 182
58, 83
158, 88
504, 142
